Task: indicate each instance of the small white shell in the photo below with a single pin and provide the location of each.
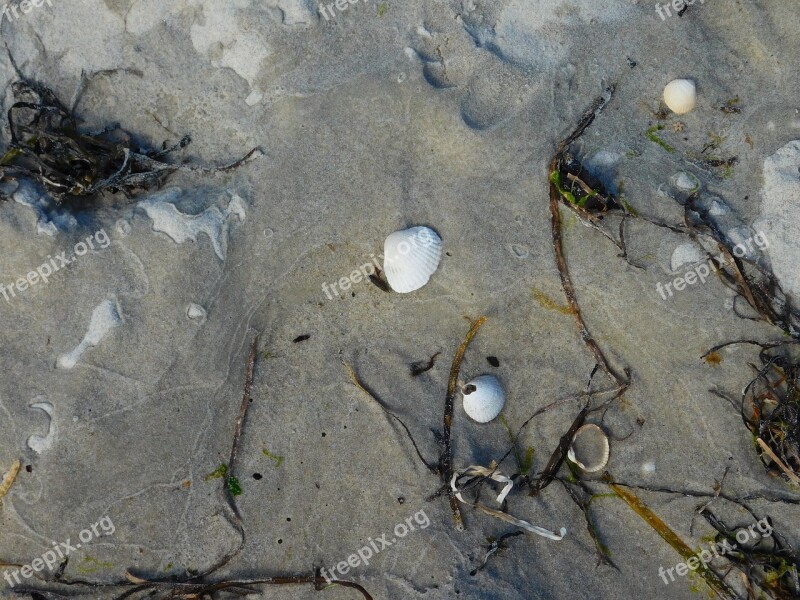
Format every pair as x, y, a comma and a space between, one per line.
680, 96
484, 398
685, 254
685, 182
196, 312
589, 449
410, 257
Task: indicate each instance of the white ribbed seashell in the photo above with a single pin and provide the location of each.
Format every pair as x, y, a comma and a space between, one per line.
484, 398
410, 257
680, 96
589, 449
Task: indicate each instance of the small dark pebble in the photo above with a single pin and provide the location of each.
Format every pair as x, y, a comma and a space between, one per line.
301, 338
493, 361
257, 476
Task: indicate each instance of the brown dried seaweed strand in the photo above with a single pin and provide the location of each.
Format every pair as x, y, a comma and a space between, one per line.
248, 386
669, 536
446, 461
193, 591
201, 590
566, 281
558, 247
559, 454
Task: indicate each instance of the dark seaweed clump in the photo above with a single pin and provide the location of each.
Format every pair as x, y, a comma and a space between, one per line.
48, 146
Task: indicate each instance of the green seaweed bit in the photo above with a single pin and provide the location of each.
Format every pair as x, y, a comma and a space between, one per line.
527, 463
600, 496
278, 459
220, 471
621, 198
716, 140
733, 101
233, 486
383, 8
651, 135
555, 179
9, 156
777, 574
573, 474
92, 565
628, 207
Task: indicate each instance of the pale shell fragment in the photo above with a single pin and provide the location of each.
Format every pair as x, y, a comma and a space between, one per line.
589, 449
410, 257
680, 96
685, 254
8, 479
484, 398
477, 470
196, 312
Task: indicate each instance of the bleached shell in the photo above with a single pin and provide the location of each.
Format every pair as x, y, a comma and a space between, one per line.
589, 448
484, 398
410, 257
680, 96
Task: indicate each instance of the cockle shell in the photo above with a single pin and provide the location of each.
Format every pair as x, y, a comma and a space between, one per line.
680, 96
589, 449
484, 398
410, 257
